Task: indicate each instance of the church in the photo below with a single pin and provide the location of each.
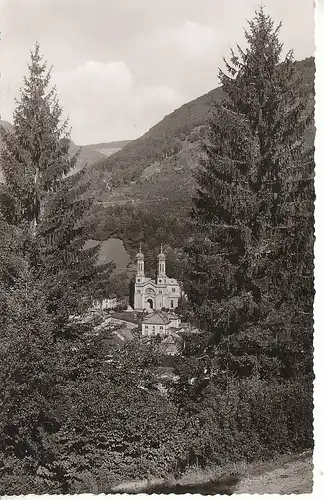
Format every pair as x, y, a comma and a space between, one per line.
156, 294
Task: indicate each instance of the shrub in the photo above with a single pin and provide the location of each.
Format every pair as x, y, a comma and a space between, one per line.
249, 420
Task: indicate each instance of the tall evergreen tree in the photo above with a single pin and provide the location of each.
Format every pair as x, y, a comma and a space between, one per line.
46, 276
250, 272
42, 197
30, 383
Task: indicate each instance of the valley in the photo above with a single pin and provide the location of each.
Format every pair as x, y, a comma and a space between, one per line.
148, 184
154, 175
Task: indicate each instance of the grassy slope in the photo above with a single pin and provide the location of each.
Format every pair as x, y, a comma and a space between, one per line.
112, 250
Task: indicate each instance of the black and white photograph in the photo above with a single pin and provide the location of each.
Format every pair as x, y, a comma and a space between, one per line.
157, 235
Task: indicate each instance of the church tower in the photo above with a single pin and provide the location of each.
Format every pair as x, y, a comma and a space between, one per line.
161, 266
140, 264
154, 295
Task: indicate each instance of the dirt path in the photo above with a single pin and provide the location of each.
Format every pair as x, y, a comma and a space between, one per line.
294, 476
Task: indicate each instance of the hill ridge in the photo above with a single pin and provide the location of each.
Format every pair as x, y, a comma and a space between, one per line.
177, 136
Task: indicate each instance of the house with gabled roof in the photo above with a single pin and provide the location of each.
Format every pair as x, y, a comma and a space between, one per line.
156, 324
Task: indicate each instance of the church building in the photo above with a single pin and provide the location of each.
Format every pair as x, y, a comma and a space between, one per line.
156, 294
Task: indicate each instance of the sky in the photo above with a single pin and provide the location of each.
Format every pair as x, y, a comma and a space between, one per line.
120, 66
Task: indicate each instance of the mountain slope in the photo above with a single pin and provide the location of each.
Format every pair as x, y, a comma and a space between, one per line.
108, 148
159, 143
87, 156
162, 160
143, 192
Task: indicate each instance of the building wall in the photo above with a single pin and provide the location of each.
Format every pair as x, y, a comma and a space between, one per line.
156, 294
153, 330
105, 303
161, 295
138, 299
109, 303
174, 322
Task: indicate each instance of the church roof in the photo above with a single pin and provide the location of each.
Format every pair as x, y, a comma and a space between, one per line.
157, 318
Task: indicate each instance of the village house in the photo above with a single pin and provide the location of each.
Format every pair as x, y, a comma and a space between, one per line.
156, 324
167, 328
109, 302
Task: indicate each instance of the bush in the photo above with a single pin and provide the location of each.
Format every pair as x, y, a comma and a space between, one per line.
115, 432
250, 420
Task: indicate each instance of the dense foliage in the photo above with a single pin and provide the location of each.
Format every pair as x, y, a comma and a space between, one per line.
158, 199
38, 198
250, 263
81, 413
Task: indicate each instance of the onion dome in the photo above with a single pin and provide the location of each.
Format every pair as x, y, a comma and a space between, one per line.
161, 255
140, 255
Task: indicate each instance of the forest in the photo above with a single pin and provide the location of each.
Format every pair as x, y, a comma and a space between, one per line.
81, 416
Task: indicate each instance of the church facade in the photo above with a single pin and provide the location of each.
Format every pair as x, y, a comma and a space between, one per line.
156, 294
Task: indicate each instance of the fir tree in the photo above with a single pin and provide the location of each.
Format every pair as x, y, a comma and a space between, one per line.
30, 383
46, 276
253, 212
35, 157
43, 199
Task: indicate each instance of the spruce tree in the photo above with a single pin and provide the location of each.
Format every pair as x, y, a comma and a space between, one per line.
46, 276
30, 383
251, 256
44, 201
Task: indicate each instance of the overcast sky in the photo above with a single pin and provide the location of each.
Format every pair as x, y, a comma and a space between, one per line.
121, 65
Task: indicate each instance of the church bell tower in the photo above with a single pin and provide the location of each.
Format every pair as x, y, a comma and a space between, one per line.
161, 265
140, 264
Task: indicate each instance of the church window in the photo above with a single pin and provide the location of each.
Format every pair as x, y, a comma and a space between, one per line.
139, 279
138, 291
160, 281
161, 327
171, 304
146, 327
173, 289
160, 292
